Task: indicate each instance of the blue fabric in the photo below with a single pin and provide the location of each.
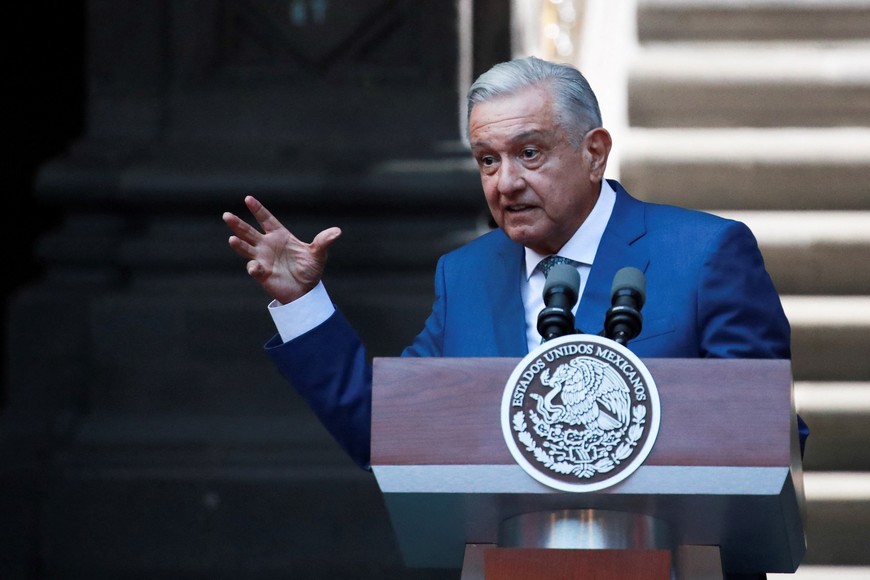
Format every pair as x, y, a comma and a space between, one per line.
708, 295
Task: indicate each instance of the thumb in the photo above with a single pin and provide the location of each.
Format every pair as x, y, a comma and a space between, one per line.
324, 239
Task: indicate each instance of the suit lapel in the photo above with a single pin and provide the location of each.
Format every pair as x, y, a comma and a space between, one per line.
506, 308
619, 248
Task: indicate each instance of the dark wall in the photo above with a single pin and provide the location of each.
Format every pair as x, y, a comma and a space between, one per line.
46, 113
144, 433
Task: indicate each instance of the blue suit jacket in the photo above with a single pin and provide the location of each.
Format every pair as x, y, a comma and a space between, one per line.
708, 295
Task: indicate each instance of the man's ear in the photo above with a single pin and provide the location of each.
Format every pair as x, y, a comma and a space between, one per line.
598, 144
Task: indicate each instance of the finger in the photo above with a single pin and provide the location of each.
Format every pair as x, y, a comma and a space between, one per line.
241, 228
256, 270
264, 217
241, 247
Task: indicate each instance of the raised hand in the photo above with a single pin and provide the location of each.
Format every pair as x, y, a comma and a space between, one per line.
285, 266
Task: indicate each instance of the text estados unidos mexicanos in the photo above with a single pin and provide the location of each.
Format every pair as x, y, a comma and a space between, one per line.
631, 374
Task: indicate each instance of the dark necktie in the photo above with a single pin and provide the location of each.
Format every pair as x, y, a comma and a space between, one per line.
550, 262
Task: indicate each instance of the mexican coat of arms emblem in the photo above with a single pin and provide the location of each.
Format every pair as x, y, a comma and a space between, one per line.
580, 413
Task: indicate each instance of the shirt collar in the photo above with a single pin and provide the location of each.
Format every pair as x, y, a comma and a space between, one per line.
584, 243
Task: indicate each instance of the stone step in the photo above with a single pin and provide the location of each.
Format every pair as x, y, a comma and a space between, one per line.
790, 168
760, 110
180, 496
104, 523
813, 252
825, 573
830, 335
837, 518
751, 19
751, 85
838, 414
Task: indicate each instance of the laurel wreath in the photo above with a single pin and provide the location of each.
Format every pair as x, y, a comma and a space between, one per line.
585, 470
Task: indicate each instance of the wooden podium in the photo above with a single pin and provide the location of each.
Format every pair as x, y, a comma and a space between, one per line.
723, 482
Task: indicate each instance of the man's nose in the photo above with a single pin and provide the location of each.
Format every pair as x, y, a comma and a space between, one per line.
510, 178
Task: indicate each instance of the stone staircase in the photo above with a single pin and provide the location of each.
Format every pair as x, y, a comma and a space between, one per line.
760, 110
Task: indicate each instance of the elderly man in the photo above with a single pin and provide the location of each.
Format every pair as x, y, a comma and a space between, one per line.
536, 134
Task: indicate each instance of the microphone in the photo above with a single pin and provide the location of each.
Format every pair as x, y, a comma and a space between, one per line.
627, 294
560, 295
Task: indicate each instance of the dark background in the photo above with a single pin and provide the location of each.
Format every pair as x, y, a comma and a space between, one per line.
46, 113
143, 431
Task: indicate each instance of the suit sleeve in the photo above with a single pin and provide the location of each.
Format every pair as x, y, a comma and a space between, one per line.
739, 311
329, 368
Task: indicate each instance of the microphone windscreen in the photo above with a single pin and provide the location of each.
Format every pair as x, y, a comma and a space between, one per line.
631, 279
565, 276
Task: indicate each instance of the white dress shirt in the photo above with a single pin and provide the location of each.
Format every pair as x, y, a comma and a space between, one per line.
581, 248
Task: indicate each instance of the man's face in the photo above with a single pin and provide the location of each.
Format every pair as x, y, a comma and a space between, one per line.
538, 186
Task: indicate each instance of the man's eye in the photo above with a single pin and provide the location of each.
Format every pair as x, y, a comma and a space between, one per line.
529, 153
487, 161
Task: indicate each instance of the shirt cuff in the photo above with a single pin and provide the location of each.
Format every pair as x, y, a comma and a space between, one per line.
303, 314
